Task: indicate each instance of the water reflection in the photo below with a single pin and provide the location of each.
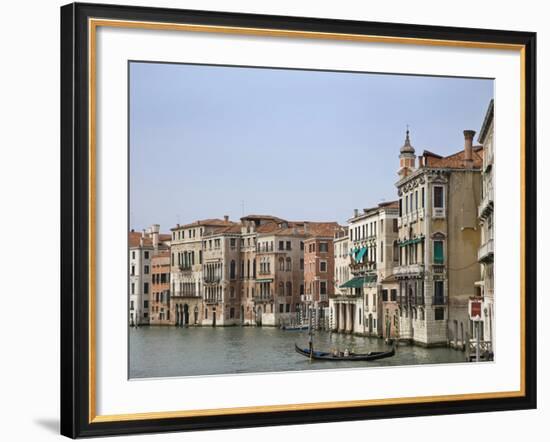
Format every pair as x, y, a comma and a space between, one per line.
170, 351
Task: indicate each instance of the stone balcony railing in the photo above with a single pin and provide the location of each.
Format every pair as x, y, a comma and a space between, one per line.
409, 270
266, 297
407, 218
323, 297
212, 280
486, 205
486, 252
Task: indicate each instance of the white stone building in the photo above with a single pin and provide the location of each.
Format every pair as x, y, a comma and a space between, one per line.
486, 250
142, 246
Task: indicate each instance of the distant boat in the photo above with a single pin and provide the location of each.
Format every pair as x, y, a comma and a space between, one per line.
327, 356
294, 327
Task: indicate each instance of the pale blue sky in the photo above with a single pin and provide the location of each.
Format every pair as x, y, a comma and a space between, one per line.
302, 145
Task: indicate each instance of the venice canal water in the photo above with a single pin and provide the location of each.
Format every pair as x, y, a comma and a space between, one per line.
170, 351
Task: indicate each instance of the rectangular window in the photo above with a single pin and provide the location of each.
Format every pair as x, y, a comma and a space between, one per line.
146, 255
381, 251
145, 304
146, 270
416, 199
281, 245
288, 308
438, 252
439, 297
393, 295
400, 207
233, 243
384, 295
146, 288
133, 288
131, 305
407, 204
395, 226
438, 197
301, 263
133, 254
288, 245
323, 247
323, 288
439, 314
281, 308
322, 266
301, 245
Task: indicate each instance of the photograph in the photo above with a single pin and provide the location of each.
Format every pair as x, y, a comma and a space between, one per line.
286, 220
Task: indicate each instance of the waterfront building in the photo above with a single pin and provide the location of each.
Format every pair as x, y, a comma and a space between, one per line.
318, 266
222, 272
159, 302
250, 297
438, 242
280, 274
372, 242
342, 295
186, 270
142, 247
486, 250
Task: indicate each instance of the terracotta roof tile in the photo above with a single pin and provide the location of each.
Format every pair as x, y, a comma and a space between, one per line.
454, 161
213, 222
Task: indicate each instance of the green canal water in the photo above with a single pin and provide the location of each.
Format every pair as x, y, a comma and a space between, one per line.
171, 351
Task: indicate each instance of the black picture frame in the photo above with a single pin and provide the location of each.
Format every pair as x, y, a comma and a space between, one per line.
75, 220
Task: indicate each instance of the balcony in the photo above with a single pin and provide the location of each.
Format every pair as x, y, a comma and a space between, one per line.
438, 212
409, 270
211, 301
439, 300
486, 252
212, 280
266, 297
486, 206
438, 269
186, 295
323, 297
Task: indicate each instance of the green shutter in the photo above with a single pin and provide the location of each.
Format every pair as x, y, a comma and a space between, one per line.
438, 252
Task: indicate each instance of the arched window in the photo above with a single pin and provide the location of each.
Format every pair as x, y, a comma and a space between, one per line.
232, 269
288, 264
281, 289
281, 264
254, 268
289, 288
248, 269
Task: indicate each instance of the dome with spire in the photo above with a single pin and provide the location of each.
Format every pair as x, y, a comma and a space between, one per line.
407, 148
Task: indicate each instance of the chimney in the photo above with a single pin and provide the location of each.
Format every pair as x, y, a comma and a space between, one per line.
355, 212
226, 218
468, 141
155, 230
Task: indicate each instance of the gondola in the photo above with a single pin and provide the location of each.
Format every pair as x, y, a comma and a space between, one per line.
327, 356
294, 327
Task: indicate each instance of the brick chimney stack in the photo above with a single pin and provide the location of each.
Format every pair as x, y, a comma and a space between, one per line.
468, 148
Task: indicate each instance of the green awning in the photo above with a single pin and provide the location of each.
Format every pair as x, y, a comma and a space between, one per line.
360, 254
356, 282
370, 278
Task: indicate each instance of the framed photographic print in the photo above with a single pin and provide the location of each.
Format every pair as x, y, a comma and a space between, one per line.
273, 220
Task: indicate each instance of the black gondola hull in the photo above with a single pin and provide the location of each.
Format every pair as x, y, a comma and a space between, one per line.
326, 356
